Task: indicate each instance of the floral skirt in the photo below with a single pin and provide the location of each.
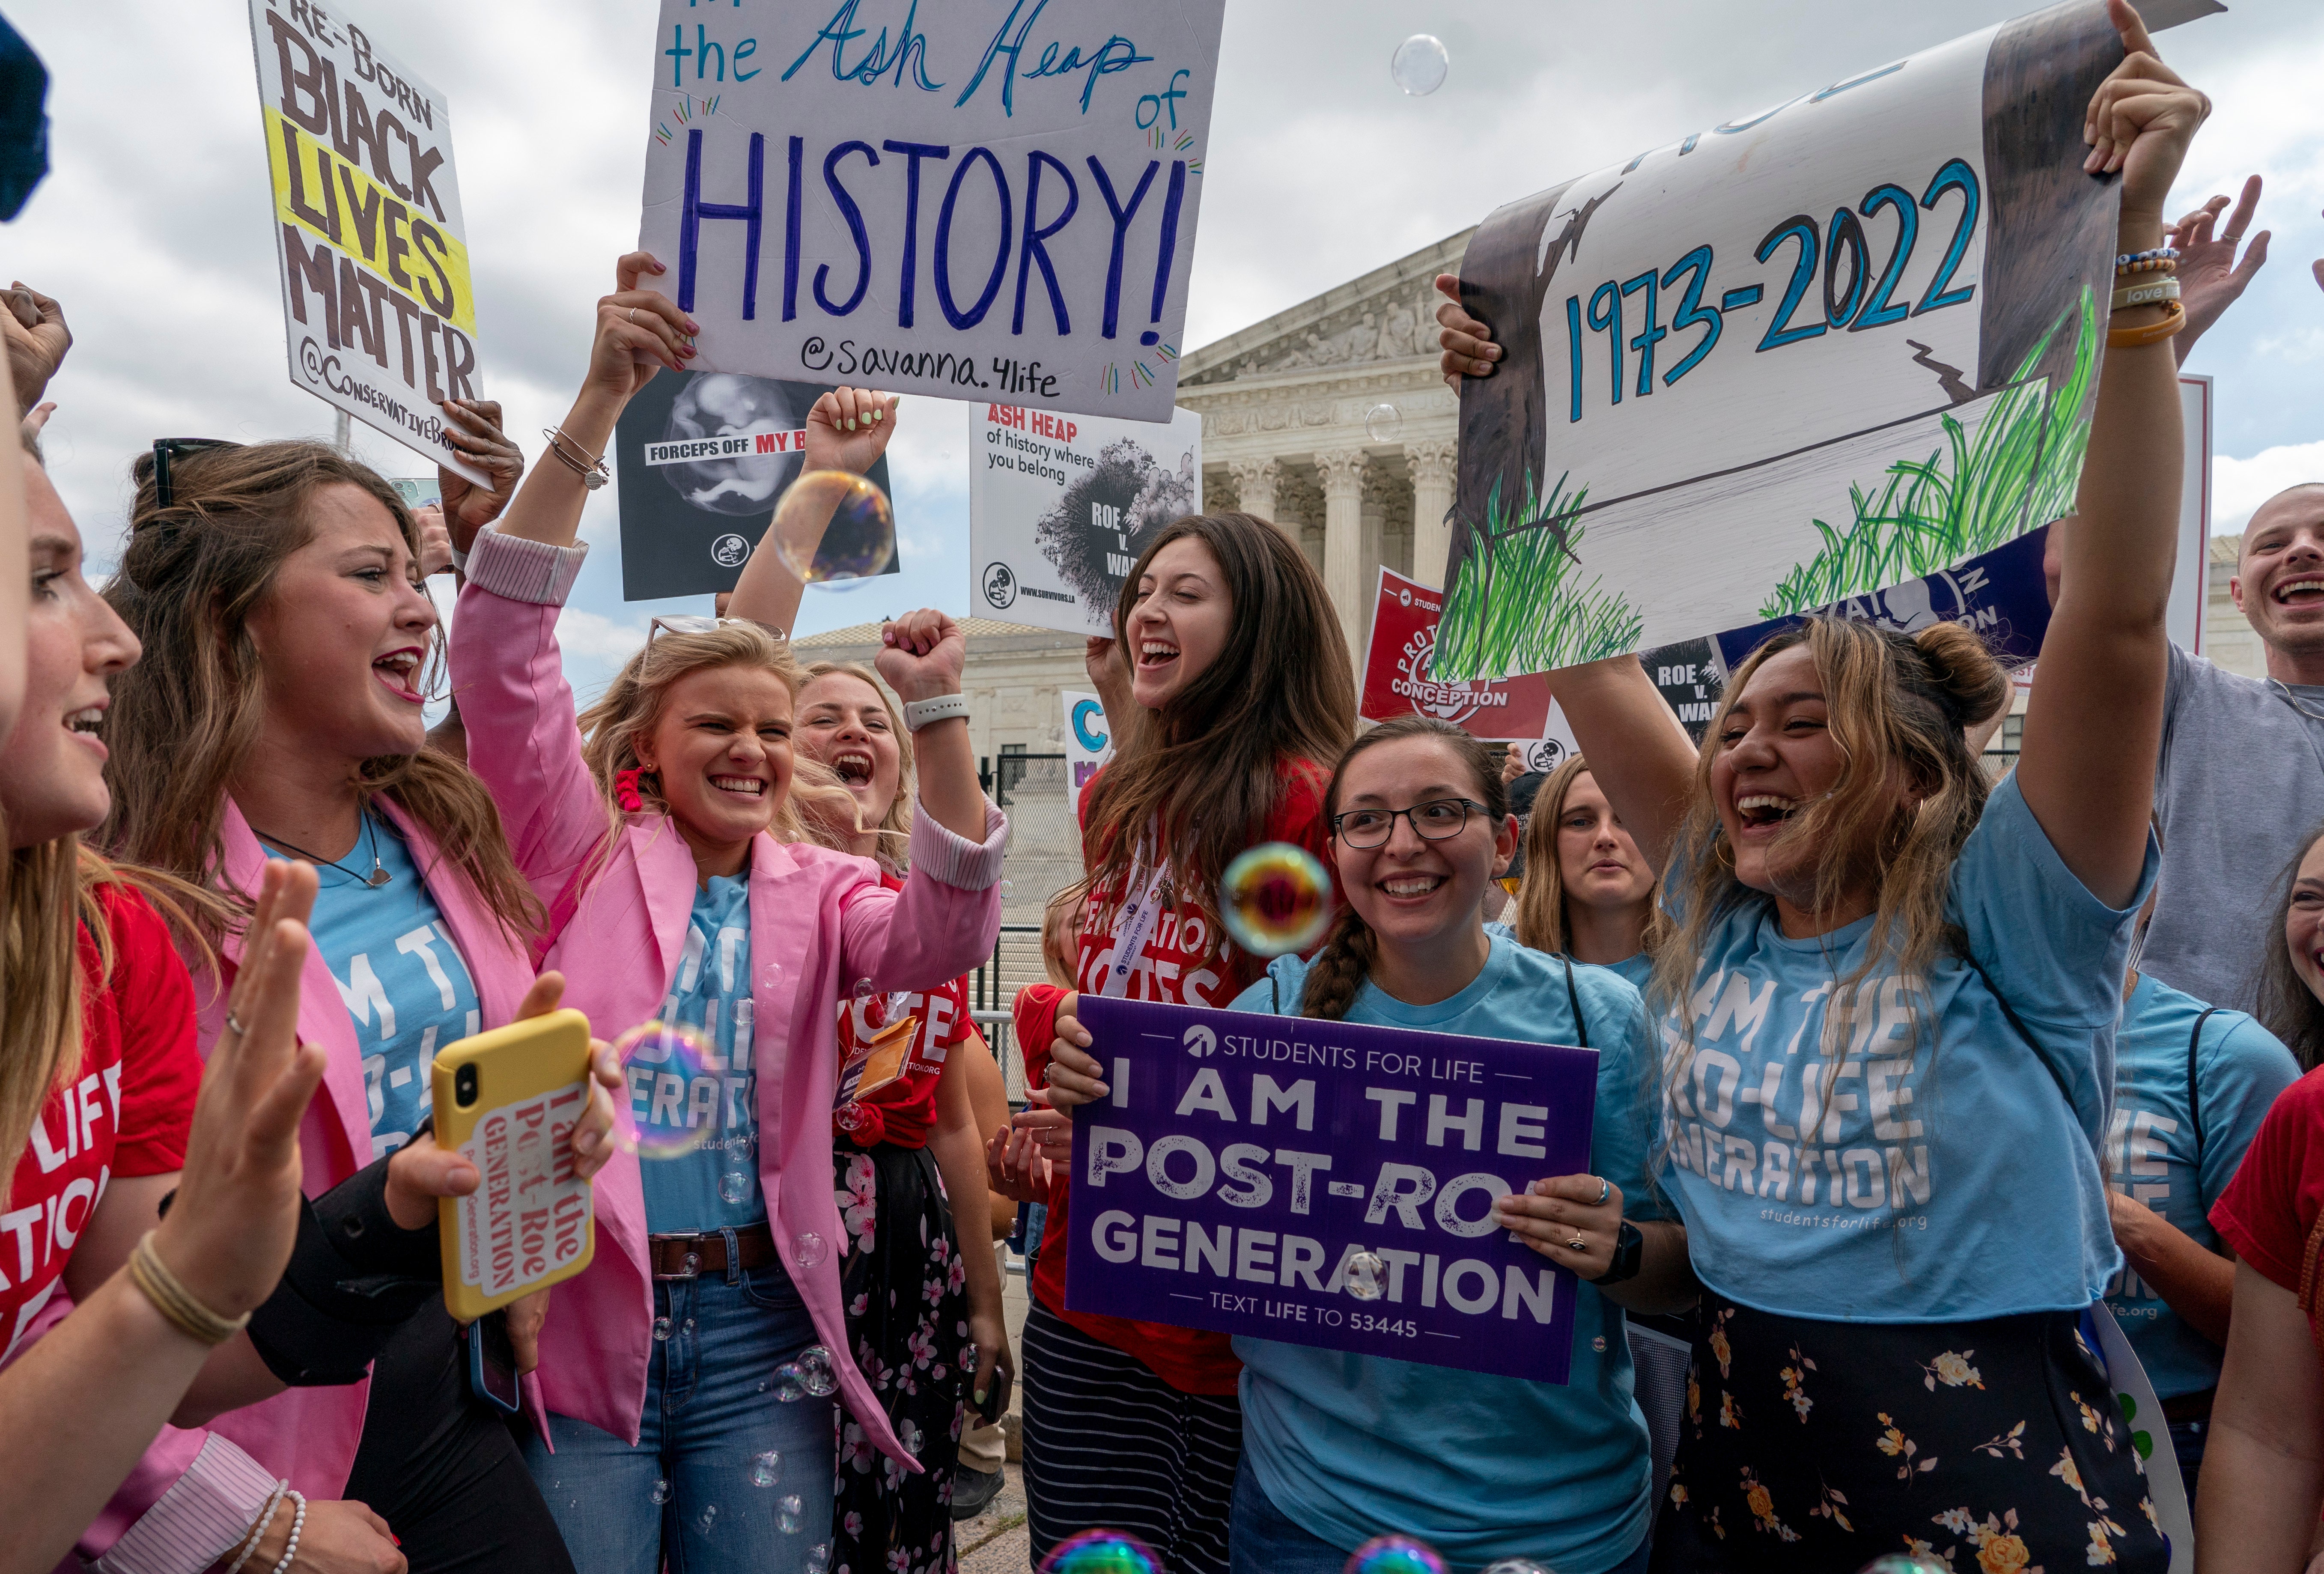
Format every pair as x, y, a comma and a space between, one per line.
1991, 1447
904, 1287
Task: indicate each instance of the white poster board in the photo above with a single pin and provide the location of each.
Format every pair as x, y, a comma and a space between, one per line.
378, 312
2190, 584
1060, 507
981, 202
1089, 742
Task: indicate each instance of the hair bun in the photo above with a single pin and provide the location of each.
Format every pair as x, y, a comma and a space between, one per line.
1971, 685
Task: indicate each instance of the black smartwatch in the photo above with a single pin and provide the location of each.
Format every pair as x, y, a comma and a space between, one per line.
1629, 1254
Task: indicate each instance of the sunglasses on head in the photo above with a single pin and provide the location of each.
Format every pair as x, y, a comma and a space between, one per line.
695, 623
168, 448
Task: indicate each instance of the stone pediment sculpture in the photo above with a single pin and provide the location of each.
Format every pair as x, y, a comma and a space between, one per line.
1393, 325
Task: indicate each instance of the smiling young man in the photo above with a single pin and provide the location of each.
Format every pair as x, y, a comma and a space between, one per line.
2241, 777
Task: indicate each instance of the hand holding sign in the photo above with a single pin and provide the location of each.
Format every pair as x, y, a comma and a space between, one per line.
1551, 1215
639, 332
473, 430
1074, 1075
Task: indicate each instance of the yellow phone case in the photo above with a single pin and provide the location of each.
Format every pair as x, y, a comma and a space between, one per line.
532, 1220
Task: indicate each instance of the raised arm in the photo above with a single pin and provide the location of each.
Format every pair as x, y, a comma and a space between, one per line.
848, 429
2095, 722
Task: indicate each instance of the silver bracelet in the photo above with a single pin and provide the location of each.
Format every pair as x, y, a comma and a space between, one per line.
920, 713
592, 472
296, 1524
258, 1531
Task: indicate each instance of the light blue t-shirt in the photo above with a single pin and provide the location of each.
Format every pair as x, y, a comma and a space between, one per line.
1479, 1467
2152, 1154
716, 1184
405, 983
1840, 1179
1634, 970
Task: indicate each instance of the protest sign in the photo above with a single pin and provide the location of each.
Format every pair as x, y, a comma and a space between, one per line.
1241, 1161
378, 313
703, 457
793, 174
1060, 507
1396, 681
1089, 742
1836, 346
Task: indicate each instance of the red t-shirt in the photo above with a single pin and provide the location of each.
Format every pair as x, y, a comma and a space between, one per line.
2269, 1211
126, 1112
903, 1111
1173, 968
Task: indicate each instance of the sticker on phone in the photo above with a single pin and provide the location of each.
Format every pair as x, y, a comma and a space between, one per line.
530, 1215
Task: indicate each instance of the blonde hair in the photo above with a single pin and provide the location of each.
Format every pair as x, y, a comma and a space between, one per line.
1898, 705
633, 705
1541, 923
895, 827
1058, 949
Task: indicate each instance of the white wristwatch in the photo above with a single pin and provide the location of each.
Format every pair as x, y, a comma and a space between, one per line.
918, 713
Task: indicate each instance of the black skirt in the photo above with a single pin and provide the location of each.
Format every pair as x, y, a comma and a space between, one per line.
1992, 1446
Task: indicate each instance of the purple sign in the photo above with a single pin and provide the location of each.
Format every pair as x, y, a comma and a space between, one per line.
1244, 1163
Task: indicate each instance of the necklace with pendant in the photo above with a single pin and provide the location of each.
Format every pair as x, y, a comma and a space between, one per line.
376, 879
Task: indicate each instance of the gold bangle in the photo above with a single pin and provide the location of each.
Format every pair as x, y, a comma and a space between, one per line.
2173, 319
175, 1302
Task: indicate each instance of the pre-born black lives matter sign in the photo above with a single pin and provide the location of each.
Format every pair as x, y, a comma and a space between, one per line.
992, 202
376, 304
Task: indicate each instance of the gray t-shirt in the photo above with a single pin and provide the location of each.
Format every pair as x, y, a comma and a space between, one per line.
2239, 785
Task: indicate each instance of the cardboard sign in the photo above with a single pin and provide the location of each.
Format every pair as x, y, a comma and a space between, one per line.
377, 308
1841, 343
1089, 742
979, 202
1398, 681
1060, 507
1241, 1161
703, 458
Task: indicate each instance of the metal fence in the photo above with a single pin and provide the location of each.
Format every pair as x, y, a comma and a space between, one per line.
1045, 857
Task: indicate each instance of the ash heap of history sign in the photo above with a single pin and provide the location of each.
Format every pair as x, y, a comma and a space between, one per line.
380, 318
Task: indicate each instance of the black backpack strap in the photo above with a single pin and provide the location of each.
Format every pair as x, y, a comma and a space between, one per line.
2194, 1094
1574, 999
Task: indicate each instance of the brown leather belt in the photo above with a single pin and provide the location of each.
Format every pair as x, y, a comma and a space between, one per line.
2190, 1406
688, 1257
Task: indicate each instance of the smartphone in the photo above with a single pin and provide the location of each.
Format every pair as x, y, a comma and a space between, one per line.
491, 1363
509, 1099
996, 1395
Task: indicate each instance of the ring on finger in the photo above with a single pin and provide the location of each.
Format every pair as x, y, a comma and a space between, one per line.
1577, 1243
633, 313
1605, 1190
238, 1030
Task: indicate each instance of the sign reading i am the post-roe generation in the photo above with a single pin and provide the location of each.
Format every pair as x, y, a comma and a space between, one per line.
1243, 1166
990, 201
379, 316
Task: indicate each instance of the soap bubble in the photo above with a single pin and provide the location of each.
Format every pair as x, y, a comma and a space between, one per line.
766, 1469
863, 989
1419, 65
787, 1513
1276, 897
1395, 1554
734, 1186
661, 1328
771, 975
836, 530
818, 1558
807, 1249
1101, 1552
1383, 423
1367, 1276
661, 1493
1894, 1563
1519, 1566
654, 1057
815, 1371
709, 1516
790, 1383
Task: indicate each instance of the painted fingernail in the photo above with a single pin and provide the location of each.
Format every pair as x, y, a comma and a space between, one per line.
586, 1141
851, 423
693, 327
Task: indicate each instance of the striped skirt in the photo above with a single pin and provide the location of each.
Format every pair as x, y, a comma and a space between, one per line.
1108, 1443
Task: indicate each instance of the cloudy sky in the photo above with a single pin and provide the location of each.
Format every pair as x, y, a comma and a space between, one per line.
154, 228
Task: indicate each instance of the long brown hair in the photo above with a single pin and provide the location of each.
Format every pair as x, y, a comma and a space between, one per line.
186, 718
1898, 705
2288, 1008
1208, 770
1339, 969
1540, 922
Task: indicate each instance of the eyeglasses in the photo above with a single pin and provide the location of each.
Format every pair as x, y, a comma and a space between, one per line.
1439, 821
695, 623
167, 448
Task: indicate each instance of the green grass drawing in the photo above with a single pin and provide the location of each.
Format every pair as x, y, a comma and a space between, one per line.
1970, 496
1509, 608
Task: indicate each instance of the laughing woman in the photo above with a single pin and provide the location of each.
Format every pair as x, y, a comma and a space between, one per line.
1890, 1010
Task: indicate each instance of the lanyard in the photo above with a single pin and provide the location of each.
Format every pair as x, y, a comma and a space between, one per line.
1131, 930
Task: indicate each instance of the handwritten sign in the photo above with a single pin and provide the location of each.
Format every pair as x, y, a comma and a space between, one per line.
377, 306
1243, 1162
989, 202
1061, 507
1838, 345
1089, 742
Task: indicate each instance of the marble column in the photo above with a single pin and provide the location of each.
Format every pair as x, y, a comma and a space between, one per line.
1341, 472
1432, 467
1255, 479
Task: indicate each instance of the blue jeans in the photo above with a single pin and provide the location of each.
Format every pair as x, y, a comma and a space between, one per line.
1261, 1539
687, 1495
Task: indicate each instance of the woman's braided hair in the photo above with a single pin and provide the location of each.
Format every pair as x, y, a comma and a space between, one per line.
1341, 967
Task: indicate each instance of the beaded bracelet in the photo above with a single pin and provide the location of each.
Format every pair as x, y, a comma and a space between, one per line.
2148, 265
2174, 318
2164, 254
258, 1531
299, 1523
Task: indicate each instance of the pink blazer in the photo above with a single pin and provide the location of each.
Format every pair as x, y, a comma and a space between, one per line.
822, 917
310, 1435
